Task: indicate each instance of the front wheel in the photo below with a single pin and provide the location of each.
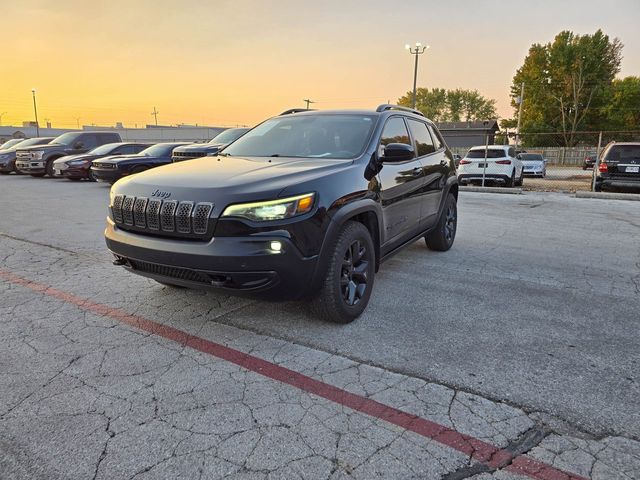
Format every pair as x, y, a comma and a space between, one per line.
348, 283
442, 236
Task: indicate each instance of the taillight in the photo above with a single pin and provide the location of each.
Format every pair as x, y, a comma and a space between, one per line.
603, 167
504, 162
464, 162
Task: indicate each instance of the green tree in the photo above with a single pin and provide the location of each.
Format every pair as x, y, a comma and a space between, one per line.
442, 105
567, 84
623, 108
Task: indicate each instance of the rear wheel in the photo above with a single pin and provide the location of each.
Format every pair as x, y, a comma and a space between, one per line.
441, 238
5, 173
509, 183
348, 283
520, 180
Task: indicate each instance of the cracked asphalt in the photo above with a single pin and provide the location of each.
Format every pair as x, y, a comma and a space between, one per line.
515, 355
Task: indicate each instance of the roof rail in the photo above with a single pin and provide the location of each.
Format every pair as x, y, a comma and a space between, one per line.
389, 106
295, 110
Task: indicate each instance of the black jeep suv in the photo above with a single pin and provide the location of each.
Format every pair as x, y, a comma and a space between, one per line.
303, 205
38, 161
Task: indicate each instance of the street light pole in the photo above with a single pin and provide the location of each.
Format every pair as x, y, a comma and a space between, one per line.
2, 115
419, 49
35, 111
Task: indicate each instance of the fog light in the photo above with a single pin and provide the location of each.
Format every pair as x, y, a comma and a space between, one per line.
276, 247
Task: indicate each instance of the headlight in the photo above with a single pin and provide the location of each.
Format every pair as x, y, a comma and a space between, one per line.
273, 209
75, 163
38, 155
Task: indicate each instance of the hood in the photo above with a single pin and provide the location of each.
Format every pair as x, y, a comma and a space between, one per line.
70, 158
200, 147
236, 179
124, 158
47, 146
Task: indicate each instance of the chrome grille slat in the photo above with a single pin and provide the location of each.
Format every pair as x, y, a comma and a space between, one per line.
116, 208
127, 210
139, 209
167, 213
201, 214
153, 214
183, 217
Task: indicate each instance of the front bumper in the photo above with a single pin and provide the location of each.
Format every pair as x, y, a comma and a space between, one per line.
30, 166
7, 166
241, 265
73, 172
107, 175
489, 177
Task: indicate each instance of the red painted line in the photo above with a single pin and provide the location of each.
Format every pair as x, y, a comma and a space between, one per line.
479, 450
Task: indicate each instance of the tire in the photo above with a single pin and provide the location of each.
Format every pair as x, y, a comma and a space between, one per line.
349, 278
509, 183
441, 238
49, 167
5, 173
90, 176
520, 180
37, 175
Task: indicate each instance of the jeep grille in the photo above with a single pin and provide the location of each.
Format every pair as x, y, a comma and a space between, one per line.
157, 217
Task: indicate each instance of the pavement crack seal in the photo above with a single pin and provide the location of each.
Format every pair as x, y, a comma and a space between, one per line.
481, 451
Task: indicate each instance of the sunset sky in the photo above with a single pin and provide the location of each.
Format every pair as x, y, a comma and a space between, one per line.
237, 62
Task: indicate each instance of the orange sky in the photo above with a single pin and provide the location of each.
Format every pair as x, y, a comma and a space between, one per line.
237, 62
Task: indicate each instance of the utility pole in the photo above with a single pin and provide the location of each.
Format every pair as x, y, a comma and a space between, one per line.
1, 115
35, 110
417, 50
520, 102
155, 114
308, 102
78, 122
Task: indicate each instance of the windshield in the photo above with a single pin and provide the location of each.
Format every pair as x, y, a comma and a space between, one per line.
341, 136
228, 136
531, 156
491, 153
160, 149
10, 143
104, 149
32, 141
622, 153
66, 138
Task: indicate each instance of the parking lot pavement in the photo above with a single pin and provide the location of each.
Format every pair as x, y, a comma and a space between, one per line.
514, 354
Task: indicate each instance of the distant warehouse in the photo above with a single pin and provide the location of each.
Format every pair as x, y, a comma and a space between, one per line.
468, 134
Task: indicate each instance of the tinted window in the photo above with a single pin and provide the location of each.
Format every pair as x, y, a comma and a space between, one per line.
10, 143
229, 136
395, 131
437, 138
105, 149
320, 136
67, 138
89, 141
137, 148
421, 138
512, 152
160, 149
491, 153
623, 153
531, 156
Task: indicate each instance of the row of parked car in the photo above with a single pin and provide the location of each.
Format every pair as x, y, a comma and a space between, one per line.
100, 156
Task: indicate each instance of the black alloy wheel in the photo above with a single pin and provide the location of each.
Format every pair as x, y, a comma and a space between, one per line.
353, 280
442, 236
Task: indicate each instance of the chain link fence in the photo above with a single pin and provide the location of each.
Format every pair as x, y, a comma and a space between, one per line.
563, 169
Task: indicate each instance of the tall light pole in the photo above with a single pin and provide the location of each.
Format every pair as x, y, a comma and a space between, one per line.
419, 49
307, 101
2, 115
35, 111
155, 115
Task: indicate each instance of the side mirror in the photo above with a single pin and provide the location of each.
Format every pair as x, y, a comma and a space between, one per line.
519, 157
78, 145
398, 152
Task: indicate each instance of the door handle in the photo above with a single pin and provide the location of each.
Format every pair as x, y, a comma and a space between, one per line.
416, 172
444, 163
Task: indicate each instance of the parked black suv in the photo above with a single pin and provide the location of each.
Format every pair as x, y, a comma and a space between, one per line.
38, 161
212, 147
8, 155
303, 205
619, 167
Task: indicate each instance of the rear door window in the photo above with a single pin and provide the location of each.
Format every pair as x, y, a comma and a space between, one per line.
423, 143
438, 141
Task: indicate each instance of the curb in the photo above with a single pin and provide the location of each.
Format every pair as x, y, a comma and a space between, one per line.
512, 191
608, 195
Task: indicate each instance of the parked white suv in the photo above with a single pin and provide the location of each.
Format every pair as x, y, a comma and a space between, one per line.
502, 166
